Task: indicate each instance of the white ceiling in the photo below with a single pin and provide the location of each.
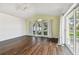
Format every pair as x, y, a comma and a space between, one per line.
24, 10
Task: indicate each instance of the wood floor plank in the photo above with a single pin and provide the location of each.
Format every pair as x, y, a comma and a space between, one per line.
27, 46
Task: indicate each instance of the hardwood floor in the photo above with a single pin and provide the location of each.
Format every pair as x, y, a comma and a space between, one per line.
30, 46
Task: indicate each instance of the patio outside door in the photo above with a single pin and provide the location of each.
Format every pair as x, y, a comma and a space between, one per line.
72, 31
77, 30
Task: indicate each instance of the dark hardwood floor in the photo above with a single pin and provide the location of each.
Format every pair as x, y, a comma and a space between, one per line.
29, 46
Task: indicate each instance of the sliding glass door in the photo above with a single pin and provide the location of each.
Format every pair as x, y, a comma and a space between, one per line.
70, 31
77, 30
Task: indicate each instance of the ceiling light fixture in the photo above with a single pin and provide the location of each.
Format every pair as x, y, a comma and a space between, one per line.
39, 20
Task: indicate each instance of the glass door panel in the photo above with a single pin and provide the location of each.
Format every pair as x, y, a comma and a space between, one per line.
45, 28
77, 30
34, 29
70, 31
39, 28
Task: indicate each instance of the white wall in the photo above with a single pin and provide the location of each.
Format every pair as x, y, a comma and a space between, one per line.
11, 27
62, 31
